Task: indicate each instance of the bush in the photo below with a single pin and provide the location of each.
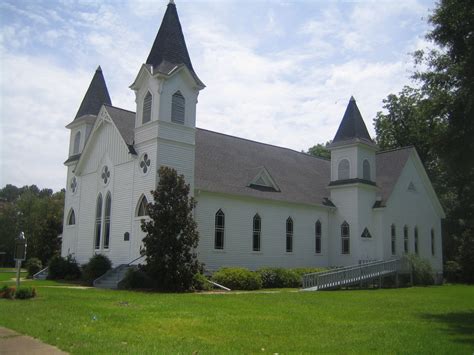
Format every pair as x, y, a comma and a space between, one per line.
63, 268
452, 271
422, 271
96, 267
25, 292
7, 292
238, 278
275, 277
136, 278
33, 266
200, 283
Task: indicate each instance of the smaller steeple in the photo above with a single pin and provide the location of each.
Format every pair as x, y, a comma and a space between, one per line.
352, 126
96, 95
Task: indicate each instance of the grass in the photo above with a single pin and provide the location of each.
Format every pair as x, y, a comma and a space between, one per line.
411, 320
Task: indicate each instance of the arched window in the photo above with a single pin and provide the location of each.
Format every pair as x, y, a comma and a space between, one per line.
77, 143
71, 218
289, 235
345, 238
405, 239
257, 229
393, 233
146, 117
177, 108
416, 240
142, 208
432, 242
98, 221
366, 170
219, 230
317, 234
343, 170
108, 207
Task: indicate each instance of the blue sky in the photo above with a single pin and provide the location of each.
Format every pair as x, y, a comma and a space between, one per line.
279, 72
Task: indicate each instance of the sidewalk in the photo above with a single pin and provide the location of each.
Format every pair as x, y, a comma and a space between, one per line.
12, 342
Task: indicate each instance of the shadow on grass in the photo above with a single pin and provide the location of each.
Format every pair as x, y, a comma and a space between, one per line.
459, 325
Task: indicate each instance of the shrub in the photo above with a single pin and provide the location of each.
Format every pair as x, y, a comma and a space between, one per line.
96, 267
7, 292
422, 271
63, 268
452, 271
238, 278
33, 266
200, 283
275, 277
25, 292
136, 278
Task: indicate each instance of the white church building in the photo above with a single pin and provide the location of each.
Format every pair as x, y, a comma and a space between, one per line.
257, 204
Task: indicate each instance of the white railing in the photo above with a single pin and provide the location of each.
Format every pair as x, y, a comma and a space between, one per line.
352, 274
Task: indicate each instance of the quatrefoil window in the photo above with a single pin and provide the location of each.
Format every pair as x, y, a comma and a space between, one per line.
145, 163
73, 184
105, 174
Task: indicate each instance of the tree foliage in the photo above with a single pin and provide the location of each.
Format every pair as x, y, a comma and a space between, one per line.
437, 118
171, 234
38, 213
320, 150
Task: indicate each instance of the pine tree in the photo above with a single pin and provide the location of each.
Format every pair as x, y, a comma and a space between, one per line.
171, 234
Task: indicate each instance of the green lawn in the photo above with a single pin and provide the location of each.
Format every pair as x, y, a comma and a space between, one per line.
411, 320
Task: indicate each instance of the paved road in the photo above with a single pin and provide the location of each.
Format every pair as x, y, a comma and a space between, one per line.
12, 342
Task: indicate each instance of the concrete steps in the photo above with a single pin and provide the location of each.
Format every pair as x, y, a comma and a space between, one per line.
112, 278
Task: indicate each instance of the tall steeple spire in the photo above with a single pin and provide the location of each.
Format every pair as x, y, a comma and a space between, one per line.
96, 95
169, 49
352, 125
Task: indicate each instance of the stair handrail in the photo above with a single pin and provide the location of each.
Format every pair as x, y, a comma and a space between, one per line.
40, 272
331, 276
130, 263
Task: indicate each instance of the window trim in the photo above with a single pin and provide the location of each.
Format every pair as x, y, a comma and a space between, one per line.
257, 233
145, 102
318, 231
289, 228
345, 237
219, 230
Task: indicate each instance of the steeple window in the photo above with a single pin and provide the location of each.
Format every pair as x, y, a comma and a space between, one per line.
177, 108
343, 170
345, 238
366, 170
77, 143
71, 219
146, 116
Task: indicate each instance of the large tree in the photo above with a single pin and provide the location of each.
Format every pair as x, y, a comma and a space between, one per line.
438, 118
171, 234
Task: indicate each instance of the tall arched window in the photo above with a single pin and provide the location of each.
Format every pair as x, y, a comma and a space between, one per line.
432, 242
108, 207
98, 222
177, 108
289, 235
142, 209
146, 117
345, 238
416, 240
393, 233
257, 229
219, 230
317, 234
77, 143
71, 218
343, 170
405, 239
366, 170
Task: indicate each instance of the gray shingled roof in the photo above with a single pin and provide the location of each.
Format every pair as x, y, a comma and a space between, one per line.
169, 48
227, 164
352, 125
96, 95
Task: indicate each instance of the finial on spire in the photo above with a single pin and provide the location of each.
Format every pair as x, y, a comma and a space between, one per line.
352, 98
98, 68
172, 2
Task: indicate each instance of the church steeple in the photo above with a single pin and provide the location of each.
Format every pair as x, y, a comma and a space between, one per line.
352, 126
96, 95
169, 49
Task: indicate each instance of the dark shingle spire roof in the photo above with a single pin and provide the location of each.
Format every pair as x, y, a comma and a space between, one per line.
96, 95
352, 125
169, 49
